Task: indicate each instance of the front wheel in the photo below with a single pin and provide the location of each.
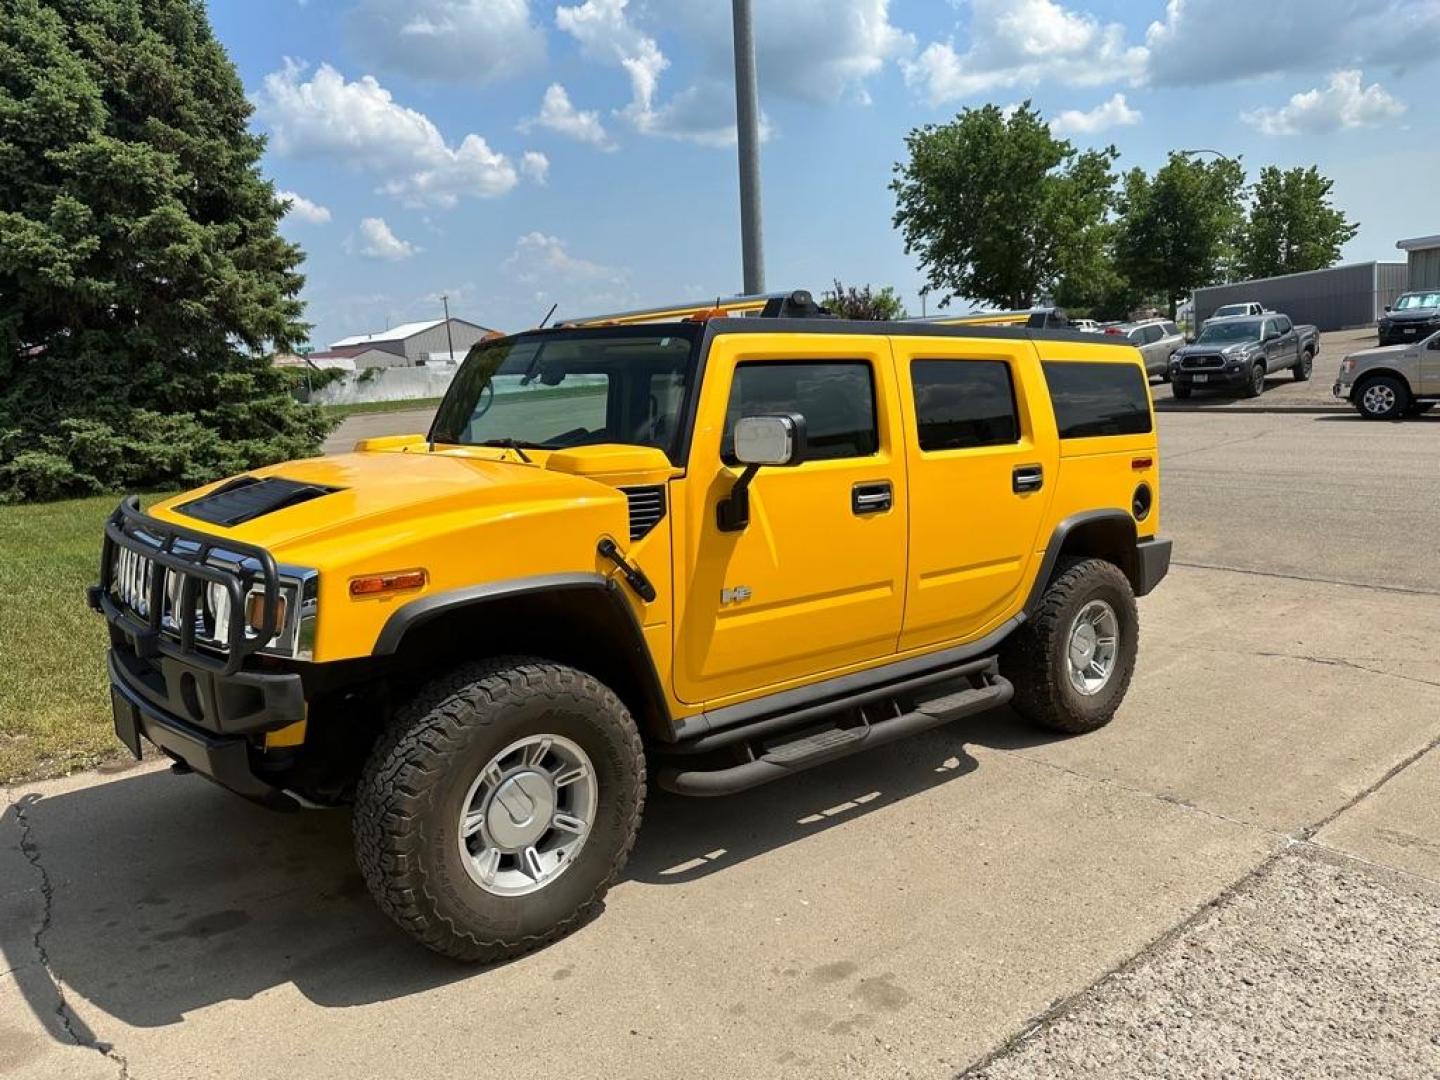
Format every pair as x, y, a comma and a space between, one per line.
499, 806
1072, 664
1255, 385
1384, 397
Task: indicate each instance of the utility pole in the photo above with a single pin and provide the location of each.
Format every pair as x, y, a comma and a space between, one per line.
747, 127
449, 338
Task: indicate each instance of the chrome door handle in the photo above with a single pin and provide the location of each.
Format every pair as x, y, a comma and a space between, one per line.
872, 498
1027, 478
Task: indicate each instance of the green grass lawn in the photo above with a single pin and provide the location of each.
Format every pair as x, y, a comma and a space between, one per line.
54, 709
361, 407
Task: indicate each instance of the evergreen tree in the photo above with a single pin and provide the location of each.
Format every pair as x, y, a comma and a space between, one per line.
142, 276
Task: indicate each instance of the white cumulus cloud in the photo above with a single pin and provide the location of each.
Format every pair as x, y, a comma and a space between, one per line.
466, 41
558, 114
535, 166
1109, 114
703, 112
1344, 102
376, 241
302, 209
579, 286
361, 125
1216, 41
1022, 43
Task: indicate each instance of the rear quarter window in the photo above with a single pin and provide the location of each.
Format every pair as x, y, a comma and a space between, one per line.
1098, 398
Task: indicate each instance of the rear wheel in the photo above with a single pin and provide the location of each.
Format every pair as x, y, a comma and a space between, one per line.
1305, 366
1383, 397
1072, 664
499, 806
1255, 385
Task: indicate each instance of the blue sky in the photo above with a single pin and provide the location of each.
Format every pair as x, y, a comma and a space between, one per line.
518, 153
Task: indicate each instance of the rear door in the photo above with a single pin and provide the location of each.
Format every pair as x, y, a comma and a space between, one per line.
979, 481
1429, 379
815, 583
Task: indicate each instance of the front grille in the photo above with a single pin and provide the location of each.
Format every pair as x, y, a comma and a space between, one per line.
1191, 363
647, 509
184, 594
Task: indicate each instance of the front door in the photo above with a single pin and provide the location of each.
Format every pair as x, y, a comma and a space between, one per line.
979, 482
815, 582
1429, 380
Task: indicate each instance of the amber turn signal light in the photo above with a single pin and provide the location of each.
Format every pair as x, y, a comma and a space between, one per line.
379, 584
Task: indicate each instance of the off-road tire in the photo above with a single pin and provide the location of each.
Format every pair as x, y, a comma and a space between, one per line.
1400, 400
408, 804
1034, 659
1255, 384
1304, 366
1180, 390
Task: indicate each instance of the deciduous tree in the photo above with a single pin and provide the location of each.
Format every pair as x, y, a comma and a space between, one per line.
998, 209
1292, 225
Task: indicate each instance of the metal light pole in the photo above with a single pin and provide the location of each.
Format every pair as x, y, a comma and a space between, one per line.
449, 338
747, 126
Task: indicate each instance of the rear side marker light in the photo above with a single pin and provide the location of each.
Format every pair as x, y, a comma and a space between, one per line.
380, 584
1141, 463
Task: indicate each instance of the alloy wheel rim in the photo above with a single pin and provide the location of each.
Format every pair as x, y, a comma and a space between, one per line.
1379, 399
527, 814
1092, 648
1258, 378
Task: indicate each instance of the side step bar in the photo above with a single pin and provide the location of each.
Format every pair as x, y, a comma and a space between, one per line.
829, 745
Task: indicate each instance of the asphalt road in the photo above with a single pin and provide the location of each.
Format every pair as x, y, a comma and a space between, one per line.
1240, 876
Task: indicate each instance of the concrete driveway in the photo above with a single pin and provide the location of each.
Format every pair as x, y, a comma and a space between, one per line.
1240, 876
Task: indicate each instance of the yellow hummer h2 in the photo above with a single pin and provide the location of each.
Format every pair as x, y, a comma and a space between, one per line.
734, 544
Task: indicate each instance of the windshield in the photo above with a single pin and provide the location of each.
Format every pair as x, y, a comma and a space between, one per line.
1231, 309
571, 388
1214, 333
1411, 301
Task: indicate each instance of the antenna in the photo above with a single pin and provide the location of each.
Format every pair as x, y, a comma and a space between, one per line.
546, 319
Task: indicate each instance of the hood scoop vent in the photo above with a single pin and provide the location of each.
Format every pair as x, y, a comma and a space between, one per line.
250, 497
647, 508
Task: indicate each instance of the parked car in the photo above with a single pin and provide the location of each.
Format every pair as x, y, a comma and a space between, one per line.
1085, 326
1392, 381
1413, 316
1226, 311
1238, 351
713, 547
1157, 340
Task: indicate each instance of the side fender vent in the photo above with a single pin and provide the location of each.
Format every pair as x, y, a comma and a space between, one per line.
647, 509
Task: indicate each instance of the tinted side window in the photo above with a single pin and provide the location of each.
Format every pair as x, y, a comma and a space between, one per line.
836, 397
1153, 333
962, 403
1283, 324
1170, 329
1098, 399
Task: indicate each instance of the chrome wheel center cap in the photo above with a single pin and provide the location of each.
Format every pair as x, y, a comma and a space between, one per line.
1082, 644
520, 810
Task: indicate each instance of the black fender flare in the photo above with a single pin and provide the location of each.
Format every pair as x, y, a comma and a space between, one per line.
588, 588
1088, 520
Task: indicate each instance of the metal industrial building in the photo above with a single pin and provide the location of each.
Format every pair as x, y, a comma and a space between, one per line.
1339, 298
412, 344
1424, 255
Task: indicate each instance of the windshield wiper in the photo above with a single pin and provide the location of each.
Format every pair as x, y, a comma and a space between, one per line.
508, 443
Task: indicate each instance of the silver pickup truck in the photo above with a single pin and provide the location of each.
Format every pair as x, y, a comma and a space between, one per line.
1392, 381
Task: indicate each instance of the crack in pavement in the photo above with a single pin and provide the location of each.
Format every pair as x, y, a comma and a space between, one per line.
1368, 586
1337, 661
76, 1028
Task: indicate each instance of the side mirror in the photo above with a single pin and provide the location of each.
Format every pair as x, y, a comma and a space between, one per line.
1387, 307
774, 439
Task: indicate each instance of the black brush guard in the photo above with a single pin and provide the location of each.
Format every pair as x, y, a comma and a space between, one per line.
234, 566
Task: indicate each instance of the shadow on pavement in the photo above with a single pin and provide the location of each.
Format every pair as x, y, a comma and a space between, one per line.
170, 894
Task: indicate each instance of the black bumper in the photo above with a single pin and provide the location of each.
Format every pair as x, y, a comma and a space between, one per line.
1214, 377
1152, 563
152, 703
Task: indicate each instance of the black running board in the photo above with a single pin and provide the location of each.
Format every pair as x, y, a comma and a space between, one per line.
830, 745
